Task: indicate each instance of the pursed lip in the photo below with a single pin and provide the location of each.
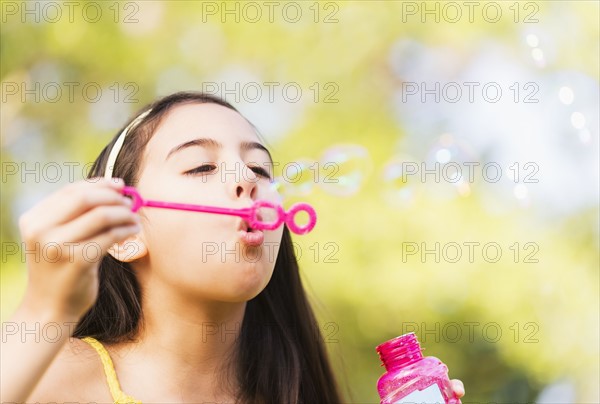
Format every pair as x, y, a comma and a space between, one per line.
248, 235
253, 237
243, 224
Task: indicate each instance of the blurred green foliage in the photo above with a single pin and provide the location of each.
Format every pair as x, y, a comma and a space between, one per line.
364, 293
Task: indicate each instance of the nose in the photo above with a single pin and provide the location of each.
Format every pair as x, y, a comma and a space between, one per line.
245, 185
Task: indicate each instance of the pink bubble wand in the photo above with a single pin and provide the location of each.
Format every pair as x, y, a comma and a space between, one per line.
251, 214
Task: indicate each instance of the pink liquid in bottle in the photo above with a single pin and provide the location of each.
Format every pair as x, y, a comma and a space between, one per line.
410, 377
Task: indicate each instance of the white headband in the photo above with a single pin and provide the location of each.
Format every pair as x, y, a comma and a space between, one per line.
114, 152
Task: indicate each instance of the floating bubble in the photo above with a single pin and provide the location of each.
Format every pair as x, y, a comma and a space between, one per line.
285, 190
343, 169
297, 178
566, 96
272, 192
400, 183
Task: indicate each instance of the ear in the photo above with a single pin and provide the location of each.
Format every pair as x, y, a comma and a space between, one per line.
130, 249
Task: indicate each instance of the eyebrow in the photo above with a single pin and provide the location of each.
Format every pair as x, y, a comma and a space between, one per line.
213, 144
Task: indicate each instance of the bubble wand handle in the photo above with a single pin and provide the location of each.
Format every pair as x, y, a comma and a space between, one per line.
251, 214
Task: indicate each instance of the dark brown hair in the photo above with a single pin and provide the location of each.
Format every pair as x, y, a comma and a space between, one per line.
280, 356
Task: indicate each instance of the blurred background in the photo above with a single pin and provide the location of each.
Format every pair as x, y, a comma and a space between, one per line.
449, 148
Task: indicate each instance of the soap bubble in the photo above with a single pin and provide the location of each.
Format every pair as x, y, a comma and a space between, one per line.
297, 178
284, 188
343, 169
273, 191
400, 182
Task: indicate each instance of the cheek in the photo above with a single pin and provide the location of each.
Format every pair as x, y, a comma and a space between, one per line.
201, 253
186, 237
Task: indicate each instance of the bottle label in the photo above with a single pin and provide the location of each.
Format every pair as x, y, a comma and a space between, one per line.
430, 395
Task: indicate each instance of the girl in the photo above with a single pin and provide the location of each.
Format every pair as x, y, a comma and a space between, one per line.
182, 306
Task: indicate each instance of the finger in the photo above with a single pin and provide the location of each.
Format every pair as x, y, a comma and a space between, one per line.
73, 200
88, 195
94, 222
458, 387
115, 182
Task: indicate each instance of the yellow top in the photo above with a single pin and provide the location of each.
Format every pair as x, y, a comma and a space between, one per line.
111, 376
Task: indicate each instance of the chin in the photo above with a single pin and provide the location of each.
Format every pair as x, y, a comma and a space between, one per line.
250, 280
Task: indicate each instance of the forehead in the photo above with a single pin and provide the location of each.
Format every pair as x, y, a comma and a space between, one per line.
191, 121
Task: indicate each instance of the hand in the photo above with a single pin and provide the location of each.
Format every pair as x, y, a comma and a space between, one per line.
458, 387
65, 237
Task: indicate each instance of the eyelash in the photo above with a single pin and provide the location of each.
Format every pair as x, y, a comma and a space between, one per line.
258, 170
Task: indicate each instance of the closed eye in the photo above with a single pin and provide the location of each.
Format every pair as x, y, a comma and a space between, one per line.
261, 171
210, 167
201, 169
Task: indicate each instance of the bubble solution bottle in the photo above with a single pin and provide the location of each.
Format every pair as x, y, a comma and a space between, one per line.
410, 377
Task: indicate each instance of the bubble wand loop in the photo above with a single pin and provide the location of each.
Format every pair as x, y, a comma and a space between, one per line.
250, 214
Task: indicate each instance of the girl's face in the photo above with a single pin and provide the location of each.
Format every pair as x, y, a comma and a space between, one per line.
206, 154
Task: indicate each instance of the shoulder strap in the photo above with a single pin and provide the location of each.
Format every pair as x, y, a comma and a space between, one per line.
109, 370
